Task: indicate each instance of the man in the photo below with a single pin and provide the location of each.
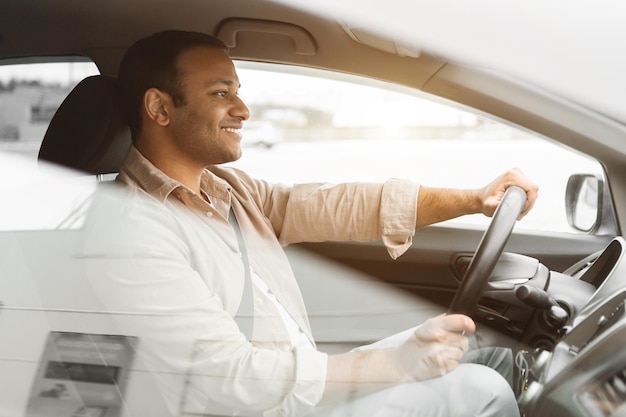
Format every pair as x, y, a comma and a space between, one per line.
179, 90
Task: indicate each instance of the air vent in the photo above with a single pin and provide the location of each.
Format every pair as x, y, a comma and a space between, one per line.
607, 397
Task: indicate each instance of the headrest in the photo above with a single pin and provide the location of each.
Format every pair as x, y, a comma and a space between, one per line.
88, 131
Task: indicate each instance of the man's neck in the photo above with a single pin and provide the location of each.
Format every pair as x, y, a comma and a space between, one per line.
172, 165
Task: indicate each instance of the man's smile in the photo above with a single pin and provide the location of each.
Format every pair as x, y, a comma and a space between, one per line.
234, 130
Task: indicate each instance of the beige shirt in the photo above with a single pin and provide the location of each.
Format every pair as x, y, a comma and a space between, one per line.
187, 263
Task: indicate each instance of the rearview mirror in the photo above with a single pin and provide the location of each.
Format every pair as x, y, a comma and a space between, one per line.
587, 204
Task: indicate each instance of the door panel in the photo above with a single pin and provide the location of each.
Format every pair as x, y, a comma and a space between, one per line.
355, 293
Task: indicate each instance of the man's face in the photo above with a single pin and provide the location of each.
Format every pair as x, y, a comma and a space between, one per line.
206, 128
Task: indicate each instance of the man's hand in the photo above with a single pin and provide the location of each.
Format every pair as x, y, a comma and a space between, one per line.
491, 195
435, 348
432, 350
439, 204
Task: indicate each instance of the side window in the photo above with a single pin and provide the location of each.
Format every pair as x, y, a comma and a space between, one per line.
30, 93
314, 126
36, 196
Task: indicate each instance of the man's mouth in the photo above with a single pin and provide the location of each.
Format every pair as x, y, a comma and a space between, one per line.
232, 130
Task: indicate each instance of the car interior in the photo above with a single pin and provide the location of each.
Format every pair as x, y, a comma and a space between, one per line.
88, 132
558, 299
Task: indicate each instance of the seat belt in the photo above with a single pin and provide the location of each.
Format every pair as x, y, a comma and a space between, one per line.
244, 317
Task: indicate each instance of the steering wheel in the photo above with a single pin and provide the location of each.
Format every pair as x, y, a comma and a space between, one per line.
488, 252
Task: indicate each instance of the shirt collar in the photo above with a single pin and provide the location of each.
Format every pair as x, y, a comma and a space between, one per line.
156, 183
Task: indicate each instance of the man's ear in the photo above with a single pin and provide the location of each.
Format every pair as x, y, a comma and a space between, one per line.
156, 103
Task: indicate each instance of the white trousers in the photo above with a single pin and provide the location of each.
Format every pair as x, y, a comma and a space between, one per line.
469, 390
481, 386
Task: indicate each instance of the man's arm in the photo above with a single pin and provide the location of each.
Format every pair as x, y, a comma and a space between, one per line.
433, 350
438, 204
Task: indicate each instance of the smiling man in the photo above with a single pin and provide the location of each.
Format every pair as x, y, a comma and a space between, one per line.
198, 124
180, 92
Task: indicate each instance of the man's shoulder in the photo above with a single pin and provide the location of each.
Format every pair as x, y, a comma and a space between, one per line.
127, 223
126, 210
229, 173
238, 181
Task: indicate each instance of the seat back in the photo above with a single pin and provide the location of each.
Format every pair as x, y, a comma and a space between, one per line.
88, 132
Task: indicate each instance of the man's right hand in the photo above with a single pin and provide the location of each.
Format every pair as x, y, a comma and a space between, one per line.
435, 347
433, 350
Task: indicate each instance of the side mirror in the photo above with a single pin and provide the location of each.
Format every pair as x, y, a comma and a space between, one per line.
587, 204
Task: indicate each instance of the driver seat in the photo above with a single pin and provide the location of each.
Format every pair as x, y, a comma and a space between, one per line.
88, 132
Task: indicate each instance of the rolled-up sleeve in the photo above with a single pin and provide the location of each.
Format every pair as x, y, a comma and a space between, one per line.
268, 382
352, 211
398, 211
308, 386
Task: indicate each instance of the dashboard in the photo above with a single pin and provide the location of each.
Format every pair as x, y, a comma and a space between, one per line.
585, 373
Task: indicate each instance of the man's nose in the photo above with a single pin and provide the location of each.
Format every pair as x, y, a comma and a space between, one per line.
240, 109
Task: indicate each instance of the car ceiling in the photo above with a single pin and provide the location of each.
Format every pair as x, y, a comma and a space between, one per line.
544, 67
102, 30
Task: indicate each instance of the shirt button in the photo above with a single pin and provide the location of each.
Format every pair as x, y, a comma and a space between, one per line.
209, 214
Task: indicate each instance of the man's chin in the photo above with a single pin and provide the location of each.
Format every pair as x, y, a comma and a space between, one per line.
235, 156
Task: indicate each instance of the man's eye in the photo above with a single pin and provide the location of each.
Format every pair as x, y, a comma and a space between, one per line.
221, 93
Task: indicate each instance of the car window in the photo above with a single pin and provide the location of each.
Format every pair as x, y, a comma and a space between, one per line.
316, 126
30, 94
